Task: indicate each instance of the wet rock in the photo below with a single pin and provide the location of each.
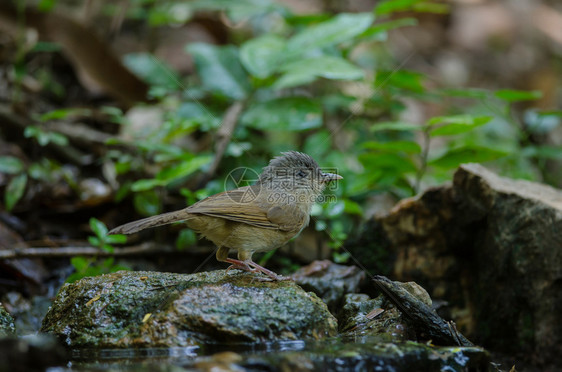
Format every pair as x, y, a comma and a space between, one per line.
151, 309
371, 355
7, 326
362, 316
34, 353
329, 281
491, 247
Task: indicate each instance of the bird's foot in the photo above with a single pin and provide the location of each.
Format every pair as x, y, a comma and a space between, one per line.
253, 267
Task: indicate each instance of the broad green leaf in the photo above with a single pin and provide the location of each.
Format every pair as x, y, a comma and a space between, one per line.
394, 6
394, 146
107, 248
335, 209
395, 125
387, 163
543, 152
511, 95
94, 240
14, 190
10, 165
64, 113
456, 124
147, 203
289, 114
351, 207
116, 239
98, 227
340, 28
262, 55
80, 263
373, 32
403, 79
466, 93
183, 169
454, 157
147, 184
307, 70
152, 70
220, 70
186, 239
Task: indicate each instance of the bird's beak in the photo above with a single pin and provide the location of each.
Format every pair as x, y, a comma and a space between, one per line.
327, 177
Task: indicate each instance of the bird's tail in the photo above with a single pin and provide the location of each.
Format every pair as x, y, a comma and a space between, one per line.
146, 223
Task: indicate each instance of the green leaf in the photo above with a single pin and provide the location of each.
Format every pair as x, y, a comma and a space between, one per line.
80, 263
307, 70
107, 248
183, 169
116, 239
220, 70
98, 228
456, 124
402, 79
147, 203
10, 165
511, 95
186, 239
286, 114
95, 241
147, 184
395, 125
387, 163
152, 70
14, 190
467, 93
475, 154
543, 152
352, 207
340, 28
378, 29
394, 146
262, 55
394, 6
64, 113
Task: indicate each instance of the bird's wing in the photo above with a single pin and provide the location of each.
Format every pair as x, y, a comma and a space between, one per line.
236, 205
244, 205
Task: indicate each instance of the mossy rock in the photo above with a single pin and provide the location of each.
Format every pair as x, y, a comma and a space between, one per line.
7, 326
152, 309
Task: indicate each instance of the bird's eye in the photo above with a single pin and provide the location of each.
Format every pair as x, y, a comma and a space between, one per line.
301, 173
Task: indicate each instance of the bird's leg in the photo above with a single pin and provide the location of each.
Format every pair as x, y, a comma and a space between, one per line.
222, 256
245, 259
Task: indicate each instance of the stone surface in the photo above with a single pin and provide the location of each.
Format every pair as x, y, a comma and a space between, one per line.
150, 309
7, 326
330, 281
492, 248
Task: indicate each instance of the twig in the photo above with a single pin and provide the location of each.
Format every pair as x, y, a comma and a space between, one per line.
223, 137
77, 251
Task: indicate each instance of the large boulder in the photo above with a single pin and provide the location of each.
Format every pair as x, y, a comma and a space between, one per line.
151, 309
492, 247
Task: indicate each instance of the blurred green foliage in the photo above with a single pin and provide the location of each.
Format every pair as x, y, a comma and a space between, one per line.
324, 84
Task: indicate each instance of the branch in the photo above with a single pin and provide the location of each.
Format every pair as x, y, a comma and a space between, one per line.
420, 316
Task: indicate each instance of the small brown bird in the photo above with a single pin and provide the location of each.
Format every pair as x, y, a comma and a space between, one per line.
255, 218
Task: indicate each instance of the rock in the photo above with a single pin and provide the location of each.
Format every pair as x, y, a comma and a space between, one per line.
329, 281
34, 353
7, 326
490, 246
151, 309
371, 355
363, 316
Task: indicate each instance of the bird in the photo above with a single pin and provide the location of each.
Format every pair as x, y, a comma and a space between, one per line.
256, 218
